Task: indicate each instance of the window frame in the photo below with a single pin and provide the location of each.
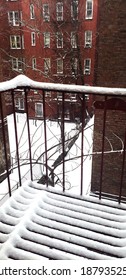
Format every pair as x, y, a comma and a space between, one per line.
17, 41
59, 66
87, 66
73, 15
32, 11
46, 39
33, 39
74, 40
59, 40
89, 9
59, 11
46, 13
47, 65
37, 112
88, 39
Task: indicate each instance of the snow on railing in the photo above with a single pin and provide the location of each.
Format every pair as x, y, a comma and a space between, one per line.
54, 148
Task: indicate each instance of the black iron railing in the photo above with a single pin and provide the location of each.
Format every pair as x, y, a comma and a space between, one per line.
107, 137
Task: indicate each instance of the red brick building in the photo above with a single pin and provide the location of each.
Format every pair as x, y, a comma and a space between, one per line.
111, 72
49, 41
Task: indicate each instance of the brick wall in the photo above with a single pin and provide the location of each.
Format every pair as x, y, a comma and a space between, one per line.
110, 72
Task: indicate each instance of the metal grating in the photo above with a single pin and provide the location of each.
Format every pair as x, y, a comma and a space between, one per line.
38, 223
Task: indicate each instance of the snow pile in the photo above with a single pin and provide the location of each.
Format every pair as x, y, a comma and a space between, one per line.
38, 223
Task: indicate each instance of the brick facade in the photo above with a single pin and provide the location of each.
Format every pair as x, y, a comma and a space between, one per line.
110, 72
34, 27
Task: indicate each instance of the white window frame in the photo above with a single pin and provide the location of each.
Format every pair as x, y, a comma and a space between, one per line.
17, 64
34, 63
15, 42
59, 66
32, 11
14, 18
47, 65
74, 10
59, 11
46, 13
19, 103
89, 9
38, 112
59, 40
73, 40
46, 39
88, 39
33, 39
87, 66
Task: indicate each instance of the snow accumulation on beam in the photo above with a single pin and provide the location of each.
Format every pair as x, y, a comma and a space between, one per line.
24, 81
40, 223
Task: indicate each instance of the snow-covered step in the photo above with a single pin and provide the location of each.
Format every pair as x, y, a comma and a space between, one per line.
42, 223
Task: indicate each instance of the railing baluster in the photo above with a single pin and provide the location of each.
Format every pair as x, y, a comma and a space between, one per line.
28, 128
4, 144
45, 135
82, 141
122, 173
16, 137
103, 145
63, 137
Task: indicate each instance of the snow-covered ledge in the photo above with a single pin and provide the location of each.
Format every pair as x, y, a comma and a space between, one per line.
23, 81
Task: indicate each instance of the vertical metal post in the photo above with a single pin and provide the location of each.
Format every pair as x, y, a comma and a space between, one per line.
4, 143
28, 128
123, 165
16, 137
63, 137
82, 141
103, 146
45, 135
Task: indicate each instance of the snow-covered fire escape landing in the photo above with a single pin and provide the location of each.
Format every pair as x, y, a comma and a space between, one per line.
38, 222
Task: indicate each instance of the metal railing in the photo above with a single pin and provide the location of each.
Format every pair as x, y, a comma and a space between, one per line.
53, 150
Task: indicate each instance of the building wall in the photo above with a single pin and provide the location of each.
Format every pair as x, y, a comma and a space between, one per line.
110, 72
39, 52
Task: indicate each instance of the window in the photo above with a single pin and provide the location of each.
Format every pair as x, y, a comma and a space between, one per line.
88, 39
89, 9
59, 66
46, 40
19, 103
48, 94
74, 40
33, 63
74, 9
59, 37
87, 66
33, 39
15, 42
46, 15
47, 65
74, 65
38, 109
14, 18
17, 64
32, 11
59, 11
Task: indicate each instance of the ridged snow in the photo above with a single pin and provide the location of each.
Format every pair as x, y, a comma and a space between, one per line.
38, 223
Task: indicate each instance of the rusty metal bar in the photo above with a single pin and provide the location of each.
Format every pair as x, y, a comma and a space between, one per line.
28, 129
63, 137
45, 135
123, 166
4, 143
83, 110
103, 146
16, 137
